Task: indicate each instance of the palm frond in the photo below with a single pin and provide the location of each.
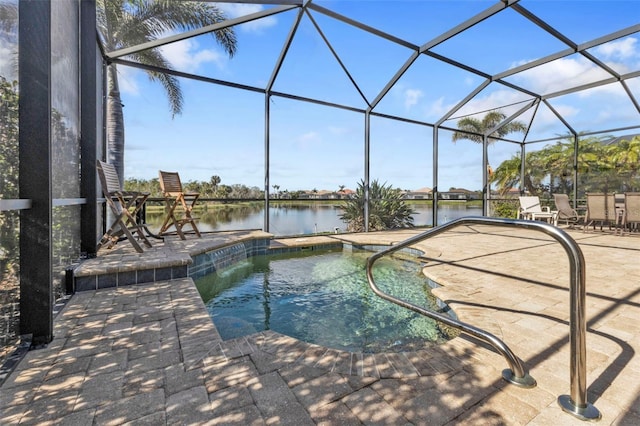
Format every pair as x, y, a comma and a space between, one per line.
156, 19
170, 83
473, 129
387, 208
8, 18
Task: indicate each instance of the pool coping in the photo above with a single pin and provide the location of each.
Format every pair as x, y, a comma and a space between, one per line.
165, 260
159, 372
431, 360
176, 259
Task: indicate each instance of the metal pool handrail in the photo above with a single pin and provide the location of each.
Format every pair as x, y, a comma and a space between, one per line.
575, 404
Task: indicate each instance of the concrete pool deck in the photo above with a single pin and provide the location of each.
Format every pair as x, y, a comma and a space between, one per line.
149, 353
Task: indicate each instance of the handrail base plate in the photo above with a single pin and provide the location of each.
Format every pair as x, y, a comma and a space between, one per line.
526, 382
588, 413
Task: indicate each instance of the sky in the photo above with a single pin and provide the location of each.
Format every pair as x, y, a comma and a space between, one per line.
221, 130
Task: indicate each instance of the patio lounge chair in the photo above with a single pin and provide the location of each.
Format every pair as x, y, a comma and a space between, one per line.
631, 212
125, 206
565, 212
175, 198
530, 209
601, 207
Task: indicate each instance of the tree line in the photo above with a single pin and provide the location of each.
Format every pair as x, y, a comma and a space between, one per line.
601, 167
207, 189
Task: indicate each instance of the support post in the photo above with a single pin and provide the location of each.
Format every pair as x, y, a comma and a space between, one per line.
36, 292
89, 110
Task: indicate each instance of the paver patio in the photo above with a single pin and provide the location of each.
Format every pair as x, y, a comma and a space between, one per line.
149, 353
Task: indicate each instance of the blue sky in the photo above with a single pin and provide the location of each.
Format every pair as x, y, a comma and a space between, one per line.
221, 131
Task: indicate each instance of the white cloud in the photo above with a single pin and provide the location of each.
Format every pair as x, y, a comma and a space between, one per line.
235, 10
621, 55
560, 74
620, 49
500, 99
411, 97
556, 76
186, 55
575, 71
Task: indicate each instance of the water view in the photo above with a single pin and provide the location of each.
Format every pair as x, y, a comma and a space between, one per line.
304, 218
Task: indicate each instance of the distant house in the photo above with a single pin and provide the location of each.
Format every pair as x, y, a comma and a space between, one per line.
425, 193
309, 195
327, 195
324, 194
618, 139
346, 194
458, 194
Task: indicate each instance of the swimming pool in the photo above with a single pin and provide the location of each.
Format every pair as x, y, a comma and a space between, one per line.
323, 297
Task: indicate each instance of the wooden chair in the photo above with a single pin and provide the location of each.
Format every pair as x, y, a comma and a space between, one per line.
174, 198
601, 207
125, 206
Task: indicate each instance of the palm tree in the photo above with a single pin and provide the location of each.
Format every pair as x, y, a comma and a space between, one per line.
625, 156
215, 181
600, 167
9, 26
507, 174
478, 127
8, 16
387, 209
132, 22
596, 167
9, 162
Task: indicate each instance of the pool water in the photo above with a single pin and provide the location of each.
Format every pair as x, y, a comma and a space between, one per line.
323, 298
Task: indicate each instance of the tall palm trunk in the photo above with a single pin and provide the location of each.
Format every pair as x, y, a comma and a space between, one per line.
115, 123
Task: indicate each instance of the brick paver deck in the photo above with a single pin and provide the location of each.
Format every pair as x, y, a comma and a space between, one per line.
149, 353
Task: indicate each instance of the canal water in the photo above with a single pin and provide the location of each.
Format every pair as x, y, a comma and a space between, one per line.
304, 218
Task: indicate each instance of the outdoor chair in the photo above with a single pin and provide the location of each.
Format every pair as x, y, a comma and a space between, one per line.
631, 211
564, 210
601, 207
530, 209
178, 204
125, 206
